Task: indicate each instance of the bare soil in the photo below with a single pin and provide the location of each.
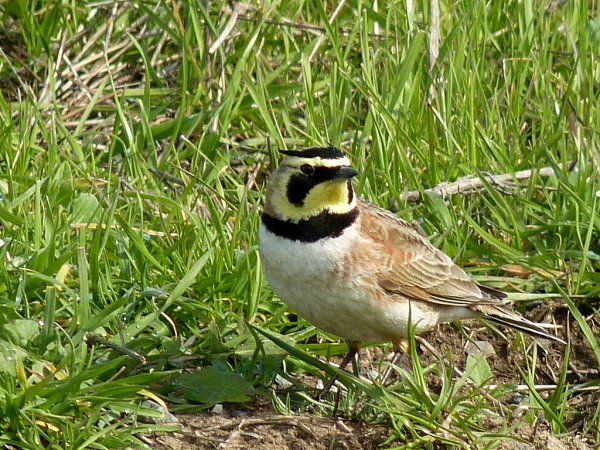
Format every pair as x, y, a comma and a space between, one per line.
258, 426
261, 428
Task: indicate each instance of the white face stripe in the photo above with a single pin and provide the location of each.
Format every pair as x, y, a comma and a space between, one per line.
297, 161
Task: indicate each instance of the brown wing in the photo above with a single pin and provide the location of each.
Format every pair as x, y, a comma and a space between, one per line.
411, 266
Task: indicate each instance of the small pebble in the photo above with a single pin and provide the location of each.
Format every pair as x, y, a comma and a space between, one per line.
282, 383
484, 348
166, 416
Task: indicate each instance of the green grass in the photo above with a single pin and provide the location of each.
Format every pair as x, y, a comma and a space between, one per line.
122, 118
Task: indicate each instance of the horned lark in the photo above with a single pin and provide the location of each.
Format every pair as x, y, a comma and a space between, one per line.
356, 270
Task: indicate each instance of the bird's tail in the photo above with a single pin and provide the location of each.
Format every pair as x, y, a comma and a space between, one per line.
504, 316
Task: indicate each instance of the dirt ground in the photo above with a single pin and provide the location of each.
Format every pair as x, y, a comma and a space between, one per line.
258, 426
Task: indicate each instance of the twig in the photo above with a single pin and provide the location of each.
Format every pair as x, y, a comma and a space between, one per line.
165, 177
297, 421
469, 184
232, 435
94, 339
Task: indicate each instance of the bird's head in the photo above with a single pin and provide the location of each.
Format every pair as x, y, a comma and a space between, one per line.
309, 182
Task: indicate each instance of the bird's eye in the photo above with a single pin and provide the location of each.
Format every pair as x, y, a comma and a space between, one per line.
307, 169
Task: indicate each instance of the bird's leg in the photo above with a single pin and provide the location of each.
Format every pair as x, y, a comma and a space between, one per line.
400, 349
354, 347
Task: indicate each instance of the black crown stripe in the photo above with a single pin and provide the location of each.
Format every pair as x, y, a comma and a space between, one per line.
330, 152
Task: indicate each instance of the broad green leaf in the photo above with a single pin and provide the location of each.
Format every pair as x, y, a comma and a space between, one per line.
478, 369
85, 208
20, 331
210, 386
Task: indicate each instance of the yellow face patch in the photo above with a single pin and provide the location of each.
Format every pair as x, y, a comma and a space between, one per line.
331, 194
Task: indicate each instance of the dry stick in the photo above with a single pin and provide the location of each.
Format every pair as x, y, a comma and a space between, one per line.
94, 339
79, 62
93, 40
232, 435
472, 183
77, 79
156, 54
269, 420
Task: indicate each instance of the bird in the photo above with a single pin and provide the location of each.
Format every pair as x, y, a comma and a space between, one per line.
356, 270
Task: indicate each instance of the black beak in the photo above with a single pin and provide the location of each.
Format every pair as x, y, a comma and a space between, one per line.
345, 173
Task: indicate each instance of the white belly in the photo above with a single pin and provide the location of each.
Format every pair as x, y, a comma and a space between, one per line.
309, 277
